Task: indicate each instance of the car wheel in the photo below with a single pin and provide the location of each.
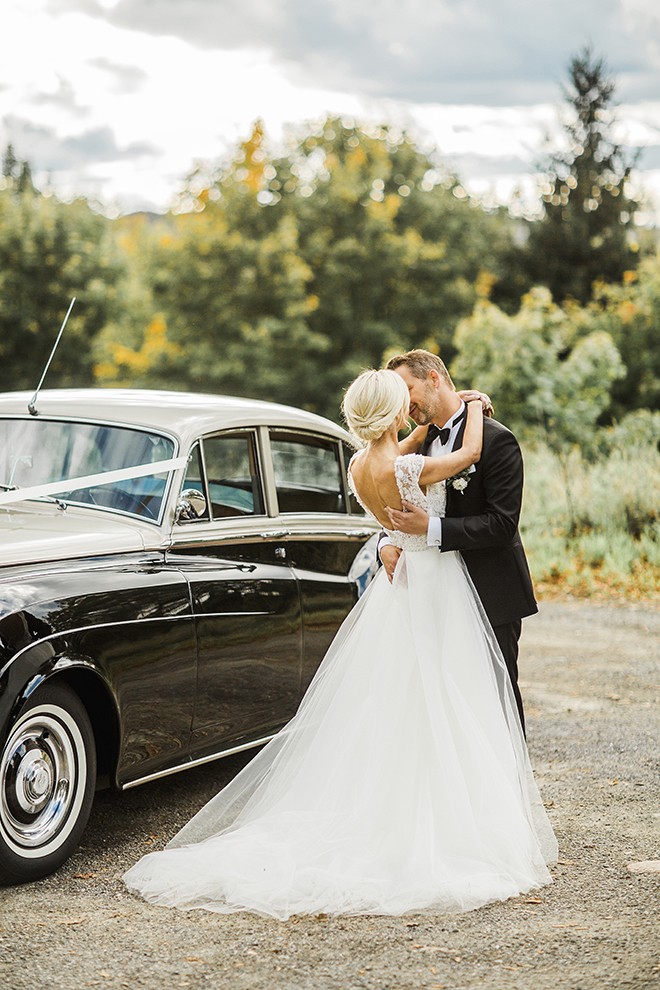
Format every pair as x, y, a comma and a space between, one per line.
47, 783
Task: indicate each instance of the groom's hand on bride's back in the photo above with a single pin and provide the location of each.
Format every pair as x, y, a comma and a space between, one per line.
411, 520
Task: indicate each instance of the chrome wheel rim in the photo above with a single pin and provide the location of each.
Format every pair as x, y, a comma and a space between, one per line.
43, 775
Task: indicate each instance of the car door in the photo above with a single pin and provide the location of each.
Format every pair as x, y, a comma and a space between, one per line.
326, 532
245, 598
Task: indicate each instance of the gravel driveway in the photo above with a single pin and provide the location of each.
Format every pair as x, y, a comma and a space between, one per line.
591, 679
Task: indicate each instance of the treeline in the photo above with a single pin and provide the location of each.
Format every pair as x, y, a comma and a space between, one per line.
281, 276
284, 277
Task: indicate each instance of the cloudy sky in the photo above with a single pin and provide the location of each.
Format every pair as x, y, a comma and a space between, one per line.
117, 99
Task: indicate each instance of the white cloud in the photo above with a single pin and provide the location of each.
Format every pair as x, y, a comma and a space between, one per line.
118, 98
169, 101
455, 51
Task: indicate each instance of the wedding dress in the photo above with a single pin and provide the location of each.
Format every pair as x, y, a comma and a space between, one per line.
402, 783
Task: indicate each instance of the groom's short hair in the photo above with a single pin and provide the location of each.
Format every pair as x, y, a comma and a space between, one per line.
420, 363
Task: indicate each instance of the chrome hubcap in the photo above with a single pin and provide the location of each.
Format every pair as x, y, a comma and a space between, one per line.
34, 781
42, 774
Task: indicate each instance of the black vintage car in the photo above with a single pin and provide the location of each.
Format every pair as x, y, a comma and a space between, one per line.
172, 570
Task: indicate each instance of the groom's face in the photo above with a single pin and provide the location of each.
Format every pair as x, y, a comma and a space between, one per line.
425, 395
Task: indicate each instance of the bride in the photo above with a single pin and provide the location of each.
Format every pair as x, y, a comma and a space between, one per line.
403, 782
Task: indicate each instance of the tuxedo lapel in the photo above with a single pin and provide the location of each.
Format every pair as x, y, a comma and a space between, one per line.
452, 495
458, 442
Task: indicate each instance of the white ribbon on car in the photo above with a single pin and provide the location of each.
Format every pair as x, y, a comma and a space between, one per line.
91, 480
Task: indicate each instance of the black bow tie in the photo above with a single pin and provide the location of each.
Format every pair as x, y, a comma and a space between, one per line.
441, 433
437, 433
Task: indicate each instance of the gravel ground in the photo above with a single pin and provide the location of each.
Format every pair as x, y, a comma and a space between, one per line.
591, 679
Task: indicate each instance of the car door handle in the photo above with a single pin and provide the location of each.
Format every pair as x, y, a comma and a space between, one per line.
275, 534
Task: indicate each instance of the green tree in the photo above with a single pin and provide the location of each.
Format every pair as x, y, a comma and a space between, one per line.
395, 246
133, 349
232, 311
548, 383
17, 174
289, 274
9, 162
49, 252
586, 232
547, 379
630, 313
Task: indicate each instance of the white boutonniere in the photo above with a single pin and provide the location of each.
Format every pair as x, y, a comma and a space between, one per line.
460, 481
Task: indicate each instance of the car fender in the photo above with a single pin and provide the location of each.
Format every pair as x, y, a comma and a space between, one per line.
41, 663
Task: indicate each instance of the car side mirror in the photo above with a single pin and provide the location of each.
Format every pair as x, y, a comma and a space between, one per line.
191, 505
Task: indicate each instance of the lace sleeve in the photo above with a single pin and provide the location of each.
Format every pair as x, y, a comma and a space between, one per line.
407, 470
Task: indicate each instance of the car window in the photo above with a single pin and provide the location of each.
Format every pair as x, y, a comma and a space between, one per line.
36, 452
308, 475
232, 476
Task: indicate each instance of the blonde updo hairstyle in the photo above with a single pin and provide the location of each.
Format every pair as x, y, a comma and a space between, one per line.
374, 402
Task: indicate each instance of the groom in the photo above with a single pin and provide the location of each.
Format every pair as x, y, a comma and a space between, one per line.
482, 516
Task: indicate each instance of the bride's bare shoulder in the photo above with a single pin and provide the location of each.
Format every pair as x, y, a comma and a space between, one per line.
356, 461
372, 470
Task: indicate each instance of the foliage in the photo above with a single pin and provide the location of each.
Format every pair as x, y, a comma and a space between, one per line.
49, 252
543, 375
630, 313
394, 244
547, 380
638, 428
133, 349
288, 275
588, 215
17, 175
605, 540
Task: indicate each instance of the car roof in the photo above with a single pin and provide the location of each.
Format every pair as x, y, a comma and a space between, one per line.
183, 414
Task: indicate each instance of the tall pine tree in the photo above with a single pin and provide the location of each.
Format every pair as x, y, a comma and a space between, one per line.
17, 174
584, 234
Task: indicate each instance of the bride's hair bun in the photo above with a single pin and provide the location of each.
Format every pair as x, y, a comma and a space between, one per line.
373, 402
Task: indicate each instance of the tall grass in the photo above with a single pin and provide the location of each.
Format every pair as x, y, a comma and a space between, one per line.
591, 528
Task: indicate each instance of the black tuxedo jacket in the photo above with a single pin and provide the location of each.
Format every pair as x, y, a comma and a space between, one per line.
482, 523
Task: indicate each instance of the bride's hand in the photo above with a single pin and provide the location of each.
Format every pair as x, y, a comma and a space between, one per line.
472, 394
389, 558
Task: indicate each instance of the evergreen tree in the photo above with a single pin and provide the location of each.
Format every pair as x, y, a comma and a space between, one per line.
10, 162
17, 174
584, 234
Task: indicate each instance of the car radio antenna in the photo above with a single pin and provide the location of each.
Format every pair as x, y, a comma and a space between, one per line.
32, 404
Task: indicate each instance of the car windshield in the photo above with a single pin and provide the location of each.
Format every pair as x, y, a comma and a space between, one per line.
37, 452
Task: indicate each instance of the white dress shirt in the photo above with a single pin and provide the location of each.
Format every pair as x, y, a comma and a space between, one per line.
437, 449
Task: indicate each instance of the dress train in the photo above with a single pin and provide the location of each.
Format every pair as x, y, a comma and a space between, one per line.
402, 784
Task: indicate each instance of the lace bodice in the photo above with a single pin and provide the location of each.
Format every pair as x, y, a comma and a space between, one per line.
407, 469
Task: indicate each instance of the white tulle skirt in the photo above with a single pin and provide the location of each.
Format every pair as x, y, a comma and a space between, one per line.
402, 784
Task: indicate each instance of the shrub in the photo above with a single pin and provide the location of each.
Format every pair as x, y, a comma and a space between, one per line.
592, 527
